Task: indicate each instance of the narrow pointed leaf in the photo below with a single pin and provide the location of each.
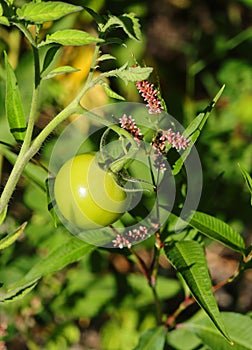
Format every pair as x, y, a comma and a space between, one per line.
15, 295
13, 105
111, 93
60, 70
12, 237
189, 260
238, 326
248, 180
72, 250
152, 339
49, 56
105, 57
193, 131
217, 230
40, 12
71, 37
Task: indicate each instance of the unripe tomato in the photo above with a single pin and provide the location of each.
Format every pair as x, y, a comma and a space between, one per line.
86, 195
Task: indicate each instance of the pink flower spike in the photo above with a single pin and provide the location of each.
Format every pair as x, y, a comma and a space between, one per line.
129, 124
150, 95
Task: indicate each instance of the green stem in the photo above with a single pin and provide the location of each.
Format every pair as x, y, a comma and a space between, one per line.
28, 151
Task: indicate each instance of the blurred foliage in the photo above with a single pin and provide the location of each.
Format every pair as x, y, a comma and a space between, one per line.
195, 47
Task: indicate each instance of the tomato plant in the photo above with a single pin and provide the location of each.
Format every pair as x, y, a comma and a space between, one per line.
87, 195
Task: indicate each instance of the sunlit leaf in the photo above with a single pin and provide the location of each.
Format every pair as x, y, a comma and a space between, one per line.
131, 74
60, 70
71, 37
40, 12
105, 57
111, 93
4, 21
193, 131
218, 230
238, 326
152, 339
188, 258
12, 237
13, 105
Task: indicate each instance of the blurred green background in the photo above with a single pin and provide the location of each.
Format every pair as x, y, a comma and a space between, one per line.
195, 47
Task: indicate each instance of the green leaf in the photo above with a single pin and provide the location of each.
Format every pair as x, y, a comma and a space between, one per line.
152, 339
188, 258
238, 326
71, 37
128, 22
12, 237
248, 180
60, 70
131, 74
217, 230
4, 21
72, 250
98, 19
13, 105
16, 295
49, 56
111, 93
193, 132
40, 12
105, 57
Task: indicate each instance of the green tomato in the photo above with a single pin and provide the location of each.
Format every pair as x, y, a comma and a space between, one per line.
86, 195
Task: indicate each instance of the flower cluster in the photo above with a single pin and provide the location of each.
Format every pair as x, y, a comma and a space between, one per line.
150, 95
129, 237
176, 140
129, 124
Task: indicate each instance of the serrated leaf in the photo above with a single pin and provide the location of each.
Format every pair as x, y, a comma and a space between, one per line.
40, 12
13, 105
70, 251
217, 230
188, 258
12, 237
111, 93
152, 339
193, 132
60, 70
238, 326
248, 180
71, 37
132, 74
128, 22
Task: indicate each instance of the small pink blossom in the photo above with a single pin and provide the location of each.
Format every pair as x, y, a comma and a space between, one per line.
129, 124
129, 237
150, 95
